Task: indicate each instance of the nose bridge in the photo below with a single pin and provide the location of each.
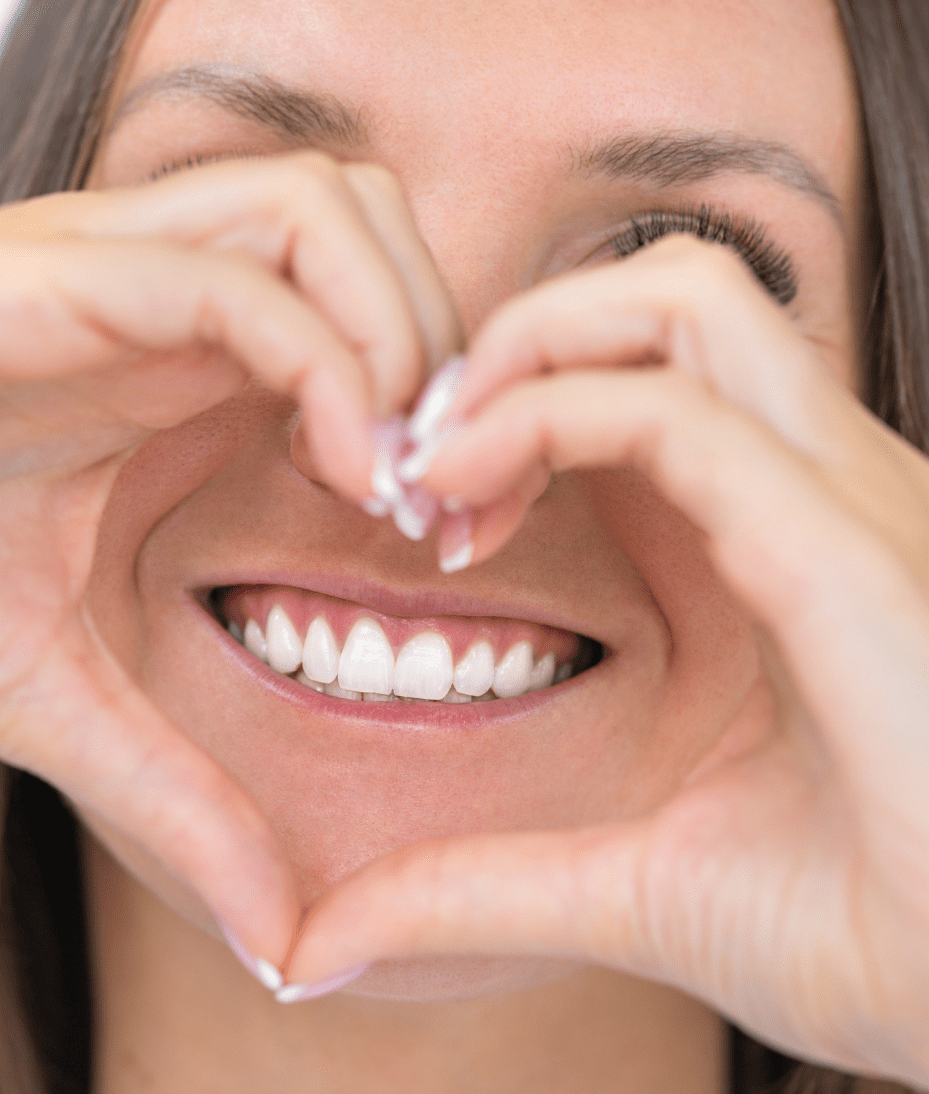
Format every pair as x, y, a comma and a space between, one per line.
477, 199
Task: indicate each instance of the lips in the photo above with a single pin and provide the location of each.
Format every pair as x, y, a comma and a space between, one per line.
350, 652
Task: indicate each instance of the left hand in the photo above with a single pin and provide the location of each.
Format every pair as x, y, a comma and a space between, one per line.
788, 884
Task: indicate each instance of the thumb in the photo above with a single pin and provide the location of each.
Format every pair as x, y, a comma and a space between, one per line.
567, 894
82, 725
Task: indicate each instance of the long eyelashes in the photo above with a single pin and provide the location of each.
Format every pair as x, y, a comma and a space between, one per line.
772, 266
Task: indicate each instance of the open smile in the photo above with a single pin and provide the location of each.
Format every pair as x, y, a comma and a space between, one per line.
349, 652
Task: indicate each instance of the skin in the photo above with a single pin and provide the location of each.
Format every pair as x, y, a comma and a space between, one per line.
621, 546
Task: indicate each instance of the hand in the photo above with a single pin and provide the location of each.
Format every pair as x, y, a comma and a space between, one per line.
787, 883
129, 311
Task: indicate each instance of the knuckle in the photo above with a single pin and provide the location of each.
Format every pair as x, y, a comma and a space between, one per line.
378, 178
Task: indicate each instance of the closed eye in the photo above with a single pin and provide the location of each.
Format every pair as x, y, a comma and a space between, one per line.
772, 265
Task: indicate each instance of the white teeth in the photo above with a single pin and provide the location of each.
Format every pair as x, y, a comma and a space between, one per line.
302, 678
424, 668
475, 672
543, 674
321, 652
341, 693
367, 662
255, 640
512, 673
236, 631
285, 649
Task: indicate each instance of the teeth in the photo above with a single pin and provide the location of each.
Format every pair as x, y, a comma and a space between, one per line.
285, 649
255, 640
367, 662
424, 668
543, 674
302, 678
512, 673
341, 693
321, 652
475, 672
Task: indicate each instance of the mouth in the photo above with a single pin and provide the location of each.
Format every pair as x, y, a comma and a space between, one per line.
347, 651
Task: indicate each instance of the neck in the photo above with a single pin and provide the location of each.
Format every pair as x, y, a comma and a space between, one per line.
176, 1012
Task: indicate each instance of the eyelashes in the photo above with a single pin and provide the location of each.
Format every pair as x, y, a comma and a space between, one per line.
770, 264
198, 160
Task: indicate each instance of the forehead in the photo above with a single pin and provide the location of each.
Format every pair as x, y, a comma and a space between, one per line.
481, 70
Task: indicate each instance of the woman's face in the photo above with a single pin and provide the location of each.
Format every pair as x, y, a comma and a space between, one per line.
524, 134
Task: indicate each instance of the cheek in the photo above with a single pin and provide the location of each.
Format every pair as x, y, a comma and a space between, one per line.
714, 670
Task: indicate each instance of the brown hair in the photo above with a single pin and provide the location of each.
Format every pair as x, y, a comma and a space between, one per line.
55, 75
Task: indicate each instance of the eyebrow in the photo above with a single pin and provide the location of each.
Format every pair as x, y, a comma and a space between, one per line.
291, 112
663, 159
675, 159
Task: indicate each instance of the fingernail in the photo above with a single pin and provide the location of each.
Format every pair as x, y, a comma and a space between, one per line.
388, 439
415, 515
299, 993
453, 505
374, 507
436, 400
456, 542
263, 971
420, 460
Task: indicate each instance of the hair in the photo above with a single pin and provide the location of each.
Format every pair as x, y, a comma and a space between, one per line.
56, 73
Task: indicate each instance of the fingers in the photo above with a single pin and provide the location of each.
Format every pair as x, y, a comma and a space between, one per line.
343, 234
681, 303
385, 207
99, 740
499, 895
77, 307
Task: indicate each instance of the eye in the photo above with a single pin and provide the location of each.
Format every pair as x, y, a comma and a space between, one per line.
773, 266
199, 160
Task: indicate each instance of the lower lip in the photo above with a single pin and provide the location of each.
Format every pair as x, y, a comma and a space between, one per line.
414, 714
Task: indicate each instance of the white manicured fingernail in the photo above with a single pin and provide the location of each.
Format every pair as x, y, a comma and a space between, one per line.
416, 514
436, 400
263, 971
415, 466
299, 993
456, 543
388, 440
374, 507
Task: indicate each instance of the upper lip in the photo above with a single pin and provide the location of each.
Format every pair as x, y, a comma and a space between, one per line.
410, 603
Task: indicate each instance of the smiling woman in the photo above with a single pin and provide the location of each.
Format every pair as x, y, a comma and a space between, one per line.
606, 765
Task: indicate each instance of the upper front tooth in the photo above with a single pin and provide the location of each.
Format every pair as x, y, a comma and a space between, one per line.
321, 652
285, 649
512, 673
255, 640
367, 662
424, 668
543, 674
475, 672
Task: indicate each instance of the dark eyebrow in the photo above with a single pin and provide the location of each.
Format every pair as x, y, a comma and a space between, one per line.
291, 112
674, 159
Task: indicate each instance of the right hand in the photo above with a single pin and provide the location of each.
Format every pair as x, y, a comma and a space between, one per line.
128, 311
